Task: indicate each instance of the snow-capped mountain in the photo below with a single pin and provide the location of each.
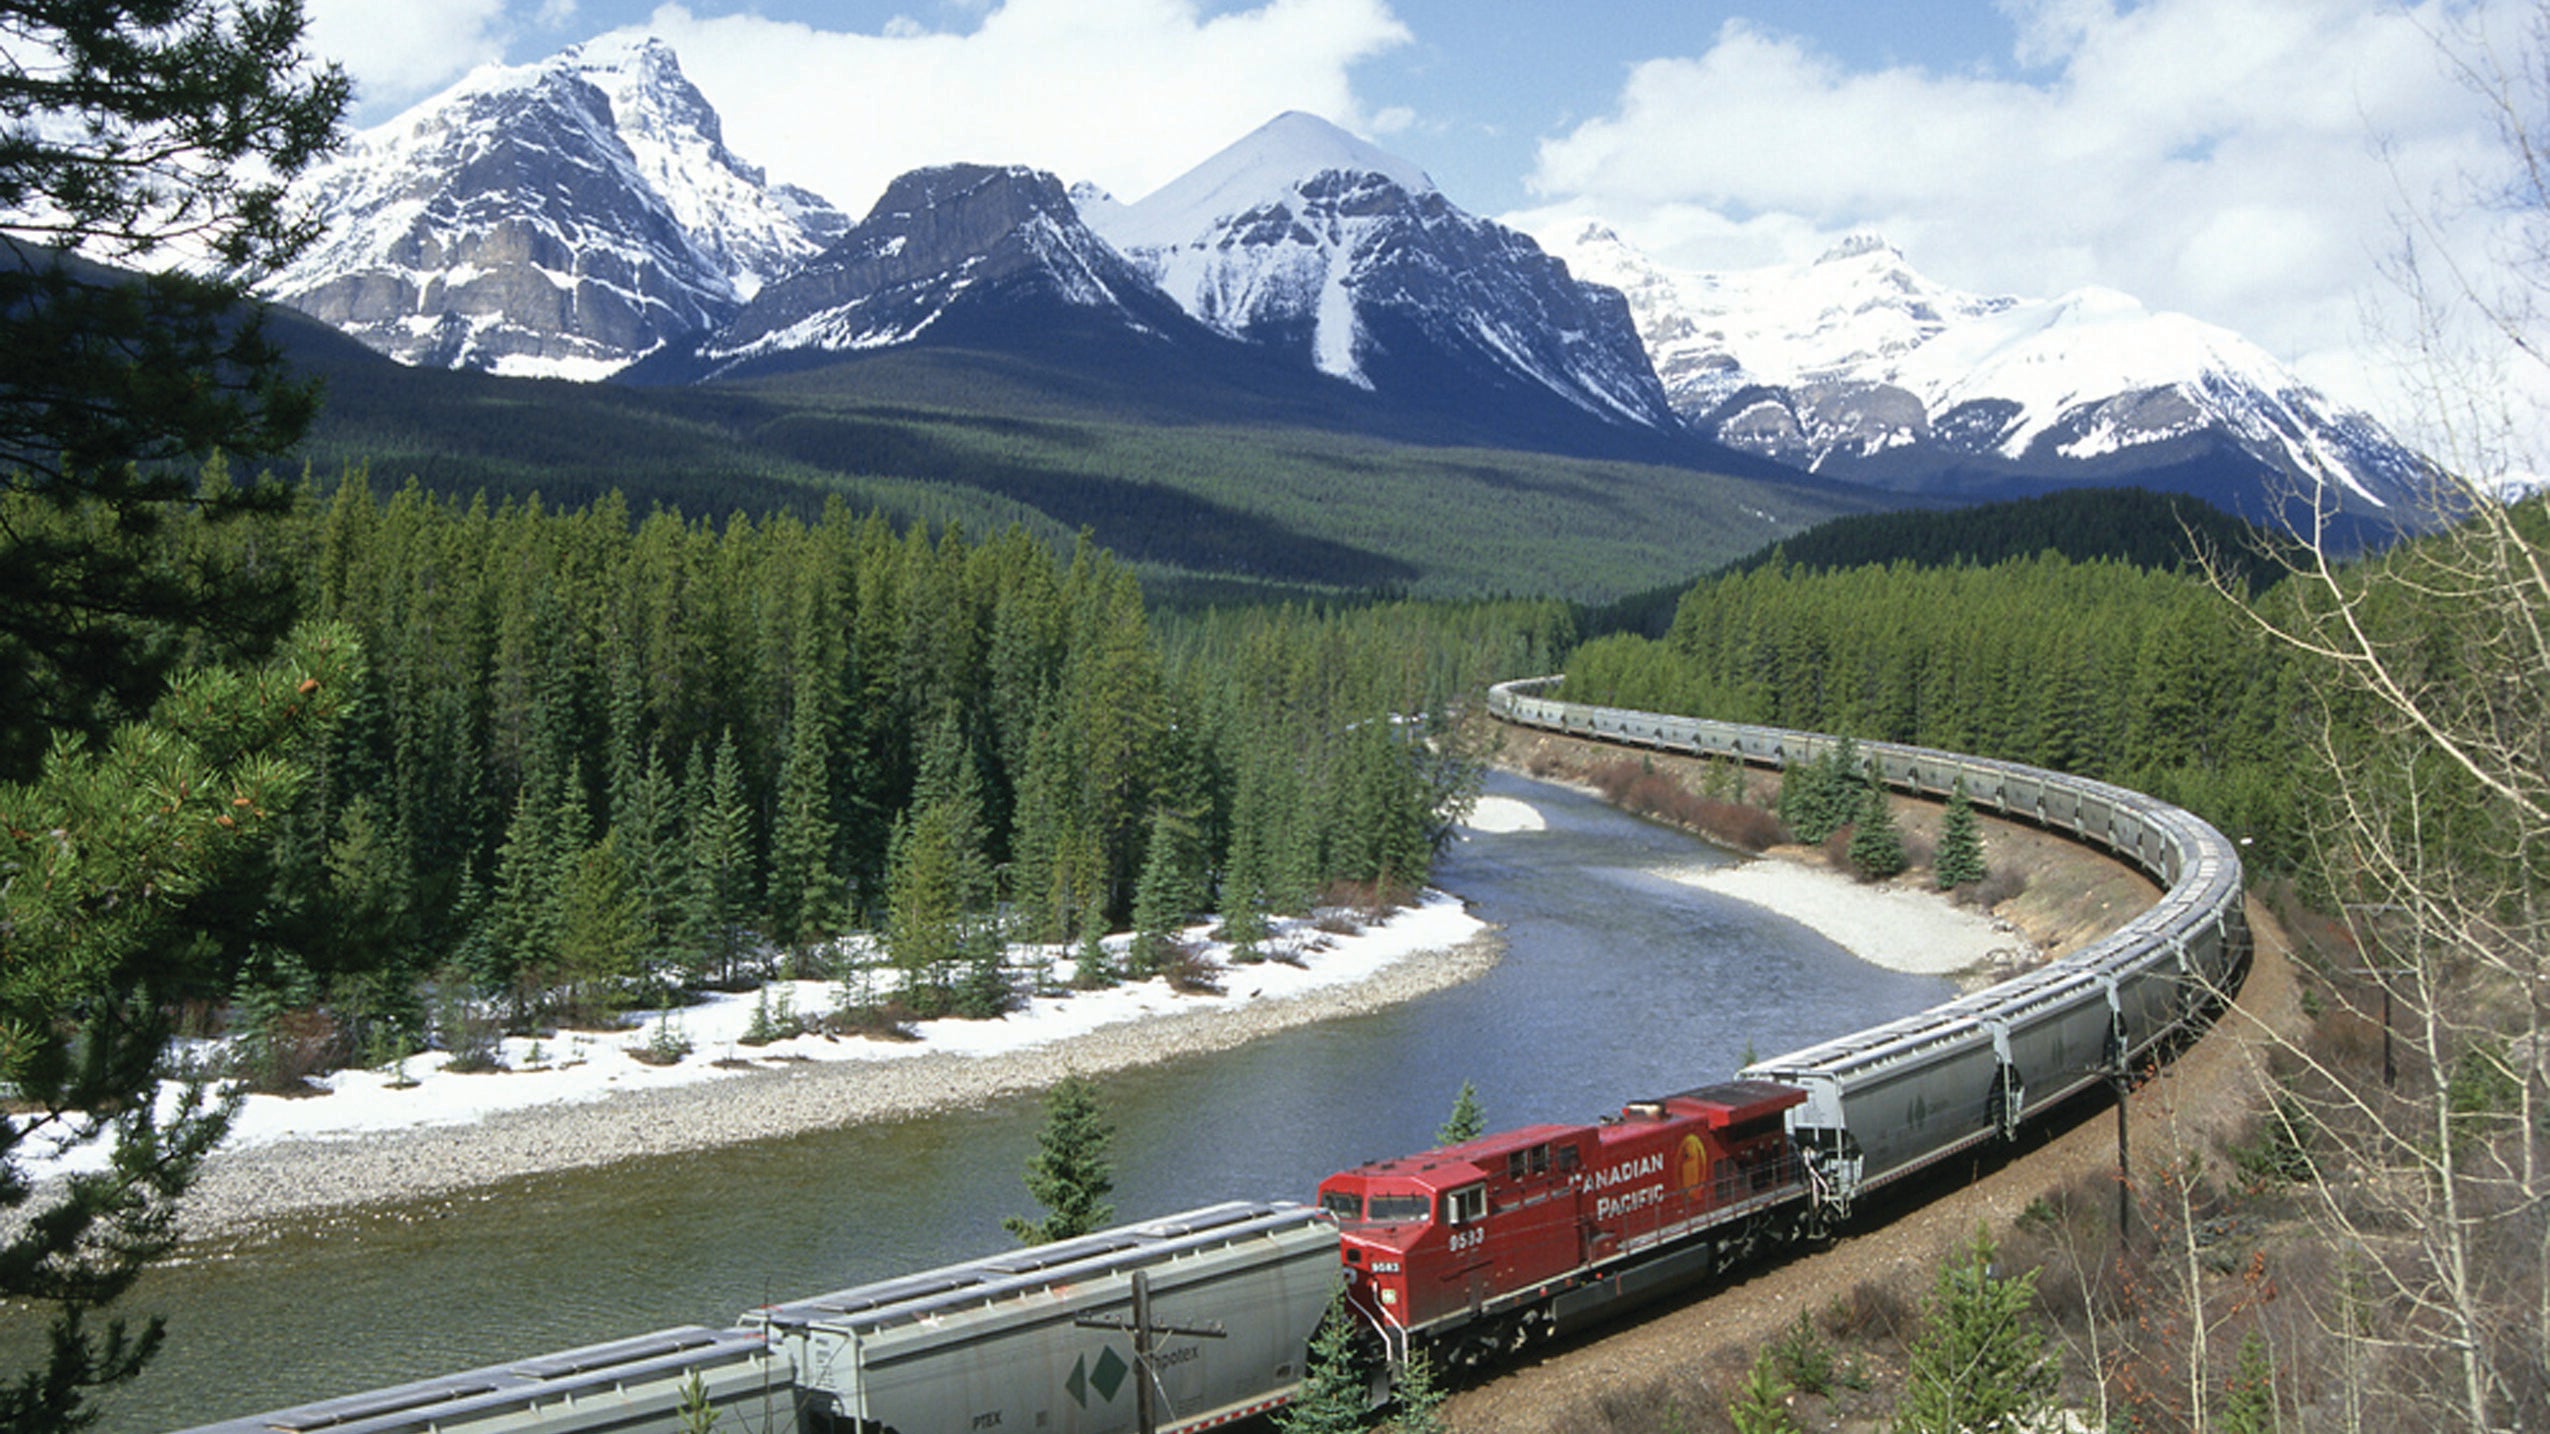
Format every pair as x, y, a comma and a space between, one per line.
1302, 237
993, 251
572, 217
561, 218
1856, 366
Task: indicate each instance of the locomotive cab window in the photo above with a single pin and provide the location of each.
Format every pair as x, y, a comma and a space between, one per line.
1465, 1206
1346, 1205
1399, 1209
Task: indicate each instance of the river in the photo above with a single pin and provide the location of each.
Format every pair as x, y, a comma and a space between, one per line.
1617, 983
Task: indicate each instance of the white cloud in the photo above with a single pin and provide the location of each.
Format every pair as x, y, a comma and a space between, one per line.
2240, 160
402, 51
1127, 93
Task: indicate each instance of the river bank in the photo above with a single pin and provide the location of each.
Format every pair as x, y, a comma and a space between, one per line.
583, 1099
1897, 926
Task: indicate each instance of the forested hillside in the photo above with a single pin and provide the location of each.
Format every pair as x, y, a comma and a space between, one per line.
2165, 531
1204, 495
2145, 678
593, 755
2170, 532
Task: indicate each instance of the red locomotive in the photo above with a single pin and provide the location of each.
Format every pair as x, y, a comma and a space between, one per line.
1475, 1248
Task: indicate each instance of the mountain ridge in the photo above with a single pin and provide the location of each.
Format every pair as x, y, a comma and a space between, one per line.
1857, 366
551, 220
581, 217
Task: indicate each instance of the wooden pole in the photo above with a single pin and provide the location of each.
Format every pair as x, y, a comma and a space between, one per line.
2124, 1170
1144, 1417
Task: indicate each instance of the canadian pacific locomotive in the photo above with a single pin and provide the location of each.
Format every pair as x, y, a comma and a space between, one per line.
1478, 1246
1201, 1318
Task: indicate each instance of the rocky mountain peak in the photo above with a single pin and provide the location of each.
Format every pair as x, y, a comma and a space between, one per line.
947, 240
560, 218
1859, 246
1306, 239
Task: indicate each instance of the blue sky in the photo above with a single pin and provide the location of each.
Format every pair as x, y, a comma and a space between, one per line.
2244, 161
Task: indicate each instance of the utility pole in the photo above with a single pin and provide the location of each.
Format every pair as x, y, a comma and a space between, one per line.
1145, 1331
2123, 1080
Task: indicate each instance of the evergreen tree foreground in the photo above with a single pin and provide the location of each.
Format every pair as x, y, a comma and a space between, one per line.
1070, 1174
1977, 1365
1959, 859
1467, 1122
135, 793
1877, 848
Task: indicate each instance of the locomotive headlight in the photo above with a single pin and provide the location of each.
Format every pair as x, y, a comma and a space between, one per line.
1389, 1296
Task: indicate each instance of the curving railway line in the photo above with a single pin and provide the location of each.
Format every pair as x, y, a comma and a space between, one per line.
1888, 1101
1204, 1318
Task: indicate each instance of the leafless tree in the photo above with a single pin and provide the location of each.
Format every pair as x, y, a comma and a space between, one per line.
2430, 720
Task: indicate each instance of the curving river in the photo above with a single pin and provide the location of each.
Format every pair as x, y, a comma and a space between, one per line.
1617, 983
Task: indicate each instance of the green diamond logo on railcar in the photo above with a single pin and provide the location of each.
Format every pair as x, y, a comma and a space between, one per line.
1106, 1379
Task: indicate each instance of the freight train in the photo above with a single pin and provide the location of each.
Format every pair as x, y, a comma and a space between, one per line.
1204, 1318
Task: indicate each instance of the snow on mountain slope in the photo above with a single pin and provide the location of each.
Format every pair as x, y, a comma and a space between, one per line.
1302, 237
1857, 366
1001, 246
560, 218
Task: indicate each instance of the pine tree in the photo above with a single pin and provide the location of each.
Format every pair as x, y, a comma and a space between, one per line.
1959, 861
107, 846
1332, 1397
1977, 1362
1169, 892
1877, 848
805, 890
601, 933
938, 884
1761, 1406
1069, 1174
1467, 1122
713, 923
372, 927
148, 136
2251, 1406
650, 851
1418, 1398
1092, 969
1042, 885
1821, 796
1246, 879
924, 907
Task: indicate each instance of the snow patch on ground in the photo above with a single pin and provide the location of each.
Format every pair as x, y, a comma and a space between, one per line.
573, 1067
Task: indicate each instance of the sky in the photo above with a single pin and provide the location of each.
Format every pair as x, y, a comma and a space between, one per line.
2249, 162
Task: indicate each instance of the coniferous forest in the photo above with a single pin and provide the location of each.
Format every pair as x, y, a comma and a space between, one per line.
595, 755
2145, 677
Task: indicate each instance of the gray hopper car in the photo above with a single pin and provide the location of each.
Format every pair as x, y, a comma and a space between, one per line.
1044, 1338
